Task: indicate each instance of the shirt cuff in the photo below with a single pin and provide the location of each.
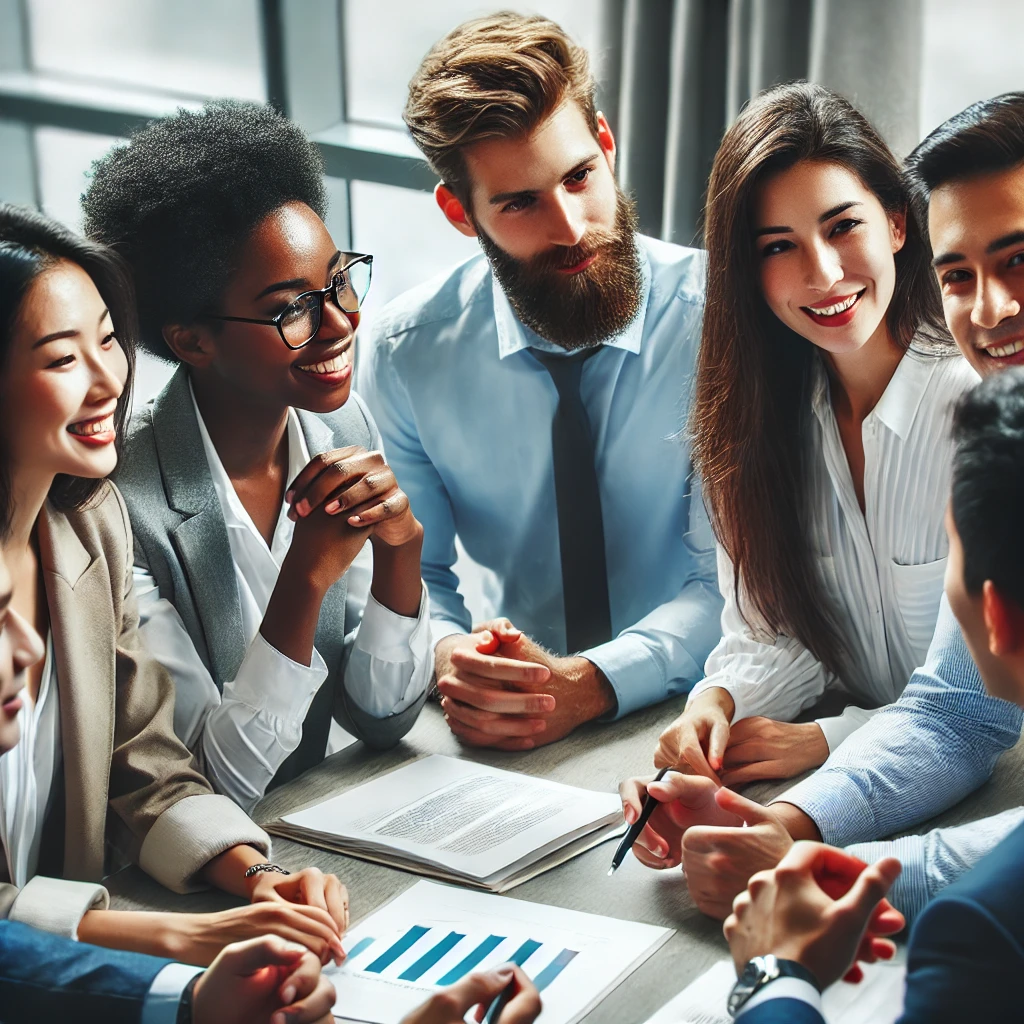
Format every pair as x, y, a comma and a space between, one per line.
837, 728
785, 988
387, 636
57, 905
633, 672
909, 893
270, 681
834, 802
440, 629
164, 996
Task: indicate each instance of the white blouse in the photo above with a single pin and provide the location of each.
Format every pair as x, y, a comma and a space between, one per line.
27, 773
881, 569
246, 732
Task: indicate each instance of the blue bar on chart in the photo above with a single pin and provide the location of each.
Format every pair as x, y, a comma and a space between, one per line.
524, 952
390, 955
360, 946
432, 955
553, 969
467, 963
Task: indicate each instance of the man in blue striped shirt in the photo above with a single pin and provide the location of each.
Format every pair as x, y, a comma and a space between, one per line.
942, 738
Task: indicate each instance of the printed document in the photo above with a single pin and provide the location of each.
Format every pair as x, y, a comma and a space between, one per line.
460, 821
433, 935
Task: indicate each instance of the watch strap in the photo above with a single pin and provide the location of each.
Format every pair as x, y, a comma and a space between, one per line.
185, 1005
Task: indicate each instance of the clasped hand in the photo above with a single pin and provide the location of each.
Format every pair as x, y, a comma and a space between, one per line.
500, 689
702, 740
821, 907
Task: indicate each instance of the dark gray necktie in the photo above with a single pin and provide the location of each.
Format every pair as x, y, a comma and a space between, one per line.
588, 620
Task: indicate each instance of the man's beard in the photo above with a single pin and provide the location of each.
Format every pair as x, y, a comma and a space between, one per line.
576, 310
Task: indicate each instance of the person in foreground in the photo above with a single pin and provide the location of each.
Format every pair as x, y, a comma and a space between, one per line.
99, 778
255, 478
49, 977
942, 738
530, 402
824, 383
966, 951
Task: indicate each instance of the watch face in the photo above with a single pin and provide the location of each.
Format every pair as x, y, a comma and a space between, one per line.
756, 972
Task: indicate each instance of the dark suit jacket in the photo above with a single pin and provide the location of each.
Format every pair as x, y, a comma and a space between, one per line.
966, 954
47, 978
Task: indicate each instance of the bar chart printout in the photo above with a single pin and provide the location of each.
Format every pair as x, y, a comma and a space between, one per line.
428, 940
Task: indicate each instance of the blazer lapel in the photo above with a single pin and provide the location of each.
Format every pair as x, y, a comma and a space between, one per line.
85, 636
202, 539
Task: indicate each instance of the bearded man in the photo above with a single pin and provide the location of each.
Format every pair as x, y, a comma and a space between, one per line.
531, 402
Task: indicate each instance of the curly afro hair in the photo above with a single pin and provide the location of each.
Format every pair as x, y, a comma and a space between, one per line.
181, 198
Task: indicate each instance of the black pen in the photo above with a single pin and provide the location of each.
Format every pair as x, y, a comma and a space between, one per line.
634, 830
501, 1000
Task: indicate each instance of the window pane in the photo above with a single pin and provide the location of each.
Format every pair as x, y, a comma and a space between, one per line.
966, 59
376, 89
410, 240
190, 46
64, 159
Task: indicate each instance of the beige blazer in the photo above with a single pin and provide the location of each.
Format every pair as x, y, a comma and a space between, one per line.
130, 786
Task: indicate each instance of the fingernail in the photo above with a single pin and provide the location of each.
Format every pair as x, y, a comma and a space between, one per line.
278, 1018
355, 519
630, 815
303, 507
332, 506
505, 973
288, 993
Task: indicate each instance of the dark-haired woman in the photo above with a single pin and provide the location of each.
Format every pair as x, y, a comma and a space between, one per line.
255, 477
99, 770
820, 431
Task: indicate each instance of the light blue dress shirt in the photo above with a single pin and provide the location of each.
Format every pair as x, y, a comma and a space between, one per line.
465, 411
164, 996
915, 758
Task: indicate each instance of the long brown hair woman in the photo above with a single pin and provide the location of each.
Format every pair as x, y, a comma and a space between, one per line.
820, 433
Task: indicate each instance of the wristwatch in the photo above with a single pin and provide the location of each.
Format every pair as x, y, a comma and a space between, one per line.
257, 869
759, 972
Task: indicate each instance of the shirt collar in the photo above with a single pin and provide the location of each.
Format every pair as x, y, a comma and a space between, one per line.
514, 336
234, 511
899, 402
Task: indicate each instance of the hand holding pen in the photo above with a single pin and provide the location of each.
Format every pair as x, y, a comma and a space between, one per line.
504, 995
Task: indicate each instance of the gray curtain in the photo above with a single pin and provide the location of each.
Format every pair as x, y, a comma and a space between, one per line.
674, 74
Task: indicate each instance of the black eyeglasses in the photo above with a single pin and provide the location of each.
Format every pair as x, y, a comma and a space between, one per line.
299, 322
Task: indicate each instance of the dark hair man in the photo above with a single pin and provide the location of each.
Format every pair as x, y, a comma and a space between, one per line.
942, 738
530, 401
965, 952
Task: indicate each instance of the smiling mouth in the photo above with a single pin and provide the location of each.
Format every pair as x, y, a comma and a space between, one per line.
1011, 348
333, 370
578, 268
99, 430
835, 308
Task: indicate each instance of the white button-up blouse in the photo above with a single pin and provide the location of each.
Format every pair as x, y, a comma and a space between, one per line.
881, 569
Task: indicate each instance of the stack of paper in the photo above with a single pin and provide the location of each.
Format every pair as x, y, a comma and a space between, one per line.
432, 936
459, 821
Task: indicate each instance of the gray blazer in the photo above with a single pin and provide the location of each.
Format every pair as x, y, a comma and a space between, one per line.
182, 540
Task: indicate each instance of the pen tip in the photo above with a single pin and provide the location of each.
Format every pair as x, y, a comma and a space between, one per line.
611, 871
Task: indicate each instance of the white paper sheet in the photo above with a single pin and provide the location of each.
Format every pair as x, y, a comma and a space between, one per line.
473, 821
432, 935
878, 999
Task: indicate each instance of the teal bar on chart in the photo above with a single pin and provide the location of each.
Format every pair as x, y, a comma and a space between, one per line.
360, 946
432, 955
524, 952
467, 963
390, 955
554, 969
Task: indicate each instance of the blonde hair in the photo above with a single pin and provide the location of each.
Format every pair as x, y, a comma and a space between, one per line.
493, 77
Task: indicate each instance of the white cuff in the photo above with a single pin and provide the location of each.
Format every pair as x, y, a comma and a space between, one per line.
190, 833
387, 636
164, 996
785, 988
57, 905
840, 727
441, 629
270, 681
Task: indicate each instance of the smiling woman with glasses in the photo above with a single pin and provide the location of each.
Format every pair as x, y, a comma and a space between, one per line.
255, 479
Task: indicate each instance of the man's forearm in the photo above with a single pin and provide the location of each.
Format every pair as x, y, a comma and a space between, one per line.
798, 823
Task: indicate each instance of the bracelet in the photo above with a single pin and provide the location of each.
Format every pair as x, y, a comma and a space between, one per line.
259, 868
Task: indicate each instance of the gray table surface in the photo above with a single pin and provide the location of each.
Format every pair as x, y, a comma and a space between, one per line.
597, 757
